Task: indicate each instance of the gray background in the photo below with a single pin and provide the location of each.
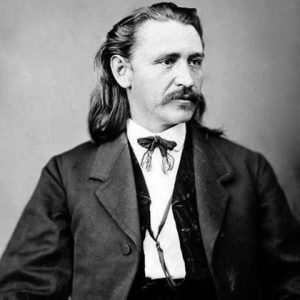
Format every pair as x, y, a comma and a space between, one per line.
252, 72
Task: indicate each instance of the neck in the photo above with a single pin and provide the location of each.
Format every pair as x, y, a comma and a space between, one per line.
153, 127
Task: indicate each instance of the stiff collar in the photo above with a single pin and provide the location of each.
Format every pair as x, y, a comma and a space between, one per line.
176, 133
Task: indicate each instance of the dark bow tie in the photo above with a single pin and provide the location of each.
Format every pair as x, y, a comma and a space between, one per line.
150, 143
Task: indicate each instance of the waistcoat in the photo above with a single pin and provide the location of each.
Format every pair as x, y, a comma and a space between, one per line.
184, 208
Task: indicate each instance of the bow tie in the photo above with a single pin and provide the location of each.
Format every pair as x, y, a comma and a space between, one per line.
150, 143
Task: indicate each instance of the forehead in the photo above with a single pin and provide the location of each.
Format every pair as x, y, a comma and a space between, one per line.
167, 36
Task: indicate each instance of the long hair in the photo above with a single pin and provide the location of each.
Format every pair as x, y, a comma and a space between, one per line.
109, 107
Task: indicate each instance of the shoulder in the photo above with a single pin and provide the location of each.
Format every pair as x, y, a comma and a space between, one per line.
236, 154
77, 160
220, 142
232, 149
80, 152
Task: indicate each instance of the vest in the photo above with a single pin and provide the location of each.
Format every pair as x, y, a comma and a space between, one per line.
198, 281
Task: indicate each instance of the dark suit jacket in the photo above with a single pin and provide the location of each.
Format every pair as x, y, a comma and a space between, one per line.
80, 234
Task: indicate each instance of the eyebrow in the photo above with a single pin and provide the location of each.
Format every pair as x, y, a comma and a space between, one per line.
197, 54
177, 55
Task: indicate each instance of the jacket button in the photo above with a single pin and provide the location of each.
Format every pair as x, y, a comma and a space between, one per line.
125, 248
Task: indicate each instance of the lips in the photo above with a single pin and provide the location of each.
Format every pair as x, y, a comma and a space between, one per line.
185, 97
190, 98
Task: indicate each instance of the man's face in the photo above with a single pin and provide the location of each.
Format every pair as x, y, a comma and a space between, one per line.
166, 73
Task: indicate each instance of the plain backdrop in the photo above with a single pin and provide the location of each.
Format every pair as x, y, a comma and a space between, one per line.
252, 71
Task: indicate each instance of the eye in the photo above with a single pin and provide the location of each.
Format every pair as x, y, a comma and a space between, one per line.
168, 61
196, 62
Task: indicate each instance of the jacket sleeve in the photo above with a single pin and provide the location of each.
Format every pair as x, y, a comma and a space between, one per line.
37, 263
280, 238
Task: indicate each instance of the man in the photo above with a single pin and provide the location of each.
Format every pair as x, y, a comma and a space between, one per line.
157, 206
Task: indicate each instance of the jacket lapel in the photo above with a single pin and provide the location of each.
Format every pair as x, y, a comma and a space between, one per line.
212, 170
117, 192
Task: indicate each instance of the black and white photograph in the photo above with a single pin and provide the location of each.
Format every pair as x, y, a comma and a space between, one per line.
150, 150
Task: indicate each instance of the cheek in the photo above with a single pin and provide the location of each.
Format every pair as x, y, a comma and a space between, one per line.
149, 91
149, 86
199, 81
137, 88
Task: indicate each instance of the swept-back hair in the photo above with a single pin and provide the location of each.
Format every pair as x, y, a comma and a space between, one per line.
109, 107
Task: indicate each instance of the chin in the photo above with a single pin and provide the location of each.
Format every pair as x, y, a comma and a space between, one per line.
182, 117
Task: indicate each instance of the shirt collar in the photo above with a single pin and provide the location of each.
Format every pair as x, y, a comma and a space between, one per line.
176, 133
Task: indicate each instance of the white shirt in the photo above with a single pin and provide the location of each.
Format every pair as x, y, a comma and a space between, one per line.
160, 186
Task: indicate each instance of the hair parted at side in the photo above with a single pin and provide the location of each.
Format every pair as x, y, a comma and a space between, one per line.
109, 107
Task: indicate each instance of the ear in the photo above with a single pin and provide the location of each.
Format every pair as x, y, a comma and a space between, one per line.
121, 70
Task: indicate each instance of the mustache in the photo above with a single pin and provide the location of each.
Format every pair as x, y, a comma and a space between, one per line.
184, 94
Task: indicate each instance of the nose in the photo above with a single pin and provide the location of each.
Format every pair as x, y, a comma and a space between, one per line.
184, 76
